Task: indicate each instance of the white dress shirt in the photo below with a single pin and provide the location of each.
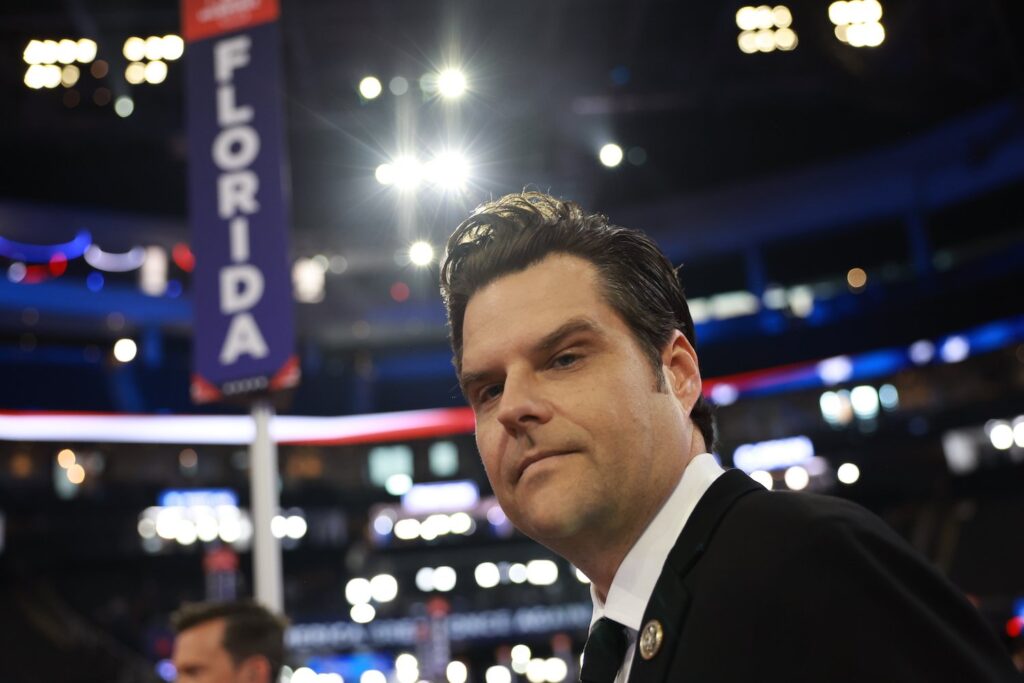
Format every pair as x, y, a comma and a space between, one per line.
638, 574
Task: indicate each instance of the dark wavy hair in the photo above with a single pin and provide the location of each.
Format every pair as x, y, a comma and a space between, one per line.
519, 230
250, 629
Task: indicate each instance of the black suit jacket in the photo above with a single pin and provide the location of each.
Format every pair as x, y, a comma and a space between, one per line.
798, 587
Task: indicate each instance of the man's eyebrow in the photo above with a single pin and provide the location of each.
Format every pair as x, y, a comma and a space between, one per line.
547, 344
567, 329
470, 378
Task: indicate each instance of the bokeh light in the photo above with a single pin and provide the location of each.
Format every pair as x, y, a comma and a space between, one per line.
370, 87
610, 155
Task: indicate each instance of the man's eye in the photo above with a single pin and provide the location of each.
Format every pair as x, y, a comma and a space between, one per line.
489, 392
565, 360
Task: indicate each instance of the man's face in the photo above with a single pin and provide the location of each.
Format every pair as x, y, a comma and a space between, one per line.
574, 434
200, 657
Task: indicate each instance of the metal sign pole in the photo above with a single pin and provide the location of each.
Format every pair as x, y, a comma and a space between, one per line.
264, 493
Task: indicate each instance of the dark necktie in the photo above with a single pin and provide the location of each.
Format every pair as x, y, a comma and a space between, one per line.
603, 653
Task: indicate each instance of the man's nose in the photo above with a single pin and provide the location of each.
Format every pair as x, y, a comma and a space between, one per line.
522, 404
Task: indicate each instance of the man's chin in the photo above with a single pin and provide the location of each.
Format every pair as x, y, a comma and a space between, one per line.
552, 526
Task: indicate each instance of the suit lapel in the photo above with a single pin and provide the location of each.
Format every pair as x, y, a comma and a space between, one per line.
671, 598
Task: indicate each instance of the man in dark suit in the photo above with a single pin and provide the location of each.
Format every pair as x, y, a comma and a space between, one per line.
227, 642
575, 348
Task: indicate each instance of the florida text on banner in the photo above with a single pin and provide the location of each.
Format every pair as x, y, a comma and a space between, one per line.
244, 322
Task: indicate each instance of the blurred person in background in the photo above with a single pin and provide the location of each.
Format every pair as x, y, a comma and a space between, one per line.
227, 642
575, 348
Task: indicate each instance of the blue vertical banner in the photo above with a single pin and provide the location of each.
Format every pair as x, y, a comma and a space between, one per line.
244, 337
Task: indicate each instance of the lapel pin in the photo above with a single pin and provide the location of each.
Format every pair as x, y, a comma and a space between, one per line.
650, 639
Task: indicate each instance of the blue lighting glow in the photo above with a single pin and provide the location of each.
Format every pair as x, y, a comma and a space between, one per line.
94, 281
42, 253
772, 455
165, 670
197, 498
448, 496
350, 667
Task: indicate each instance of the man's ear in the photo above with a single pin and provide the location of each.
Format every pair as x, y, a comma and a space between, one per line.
255, 669
682, 374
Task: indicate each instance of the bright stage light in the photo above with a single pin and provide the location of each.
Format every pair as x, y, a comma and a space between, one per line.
497, 674
370, 88
451, 83
358, 591
747, 41
34, 76
456, 672
383, 588
43, 76
797, 478
610, 155
487, 575
1000, 434
785, 39
85, 50
154, 49
865, 35
462, 523
69, 75
398, 484
421, 253
308, 281
555, 670
521, 654
372, 676
278, 526
66, 458
408, 172
406, 661
135, 73
857, 22
864, 400
746, 18
173, 47
156, 72
385, 174
517, 573
67, 50
48, 52
34, 52
765, 40
448, 170
444, 579
848, 473
134, 49
781, 16
125, 350
362, 613
407, 529
765, 29
124, 106
76, 474
541, 572
295, 527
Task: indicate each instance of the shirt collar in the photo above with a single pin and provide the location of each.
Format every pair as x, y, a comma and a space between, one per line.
636, 577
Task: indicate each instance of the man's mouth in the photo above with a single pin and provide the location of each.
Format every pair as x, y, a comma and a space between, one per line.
535, 457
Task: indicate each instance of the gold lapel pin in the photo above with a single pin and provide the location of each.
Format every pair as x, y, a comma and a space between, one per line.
650, 638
